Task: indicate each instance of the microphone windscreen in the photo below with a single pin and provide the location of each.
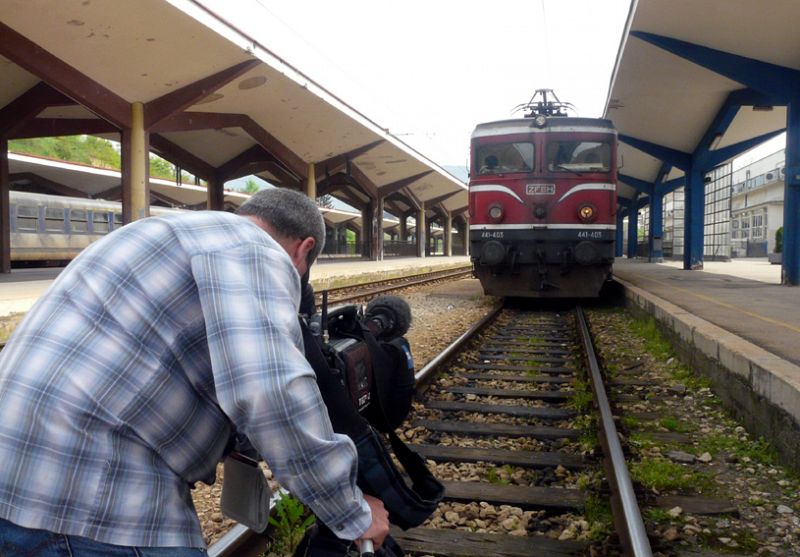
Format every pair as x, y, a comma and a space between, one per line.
396, 309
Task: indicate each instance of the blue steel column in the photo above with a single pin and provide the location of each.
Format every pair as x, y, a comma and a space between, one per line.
618, 247
656, 231
791, 203
633, 230
693, 215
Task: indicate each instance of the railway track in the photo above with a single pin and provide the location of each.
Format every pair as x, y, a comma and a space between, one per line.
357, 292
509, 403
497, 417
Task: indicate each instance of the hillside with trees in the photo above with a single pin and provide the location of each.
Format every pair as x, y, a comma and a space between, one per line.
90, 150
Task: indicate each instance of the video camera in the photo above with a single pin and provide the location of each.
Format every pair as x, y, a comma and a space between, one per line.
367, 353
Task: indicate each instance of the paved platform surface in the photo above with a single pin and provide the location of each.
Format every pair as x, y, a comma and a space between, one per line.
743, 297
20, 288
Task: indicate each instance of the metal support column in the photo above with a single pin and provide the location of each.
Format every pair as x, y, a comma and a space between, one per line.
633, 231
619, 249
135, 168
694, 219
656, 232
790, 273
5, 209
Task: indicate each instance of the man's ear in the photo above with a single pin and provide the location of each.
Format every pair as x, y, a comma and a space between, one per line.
299, 252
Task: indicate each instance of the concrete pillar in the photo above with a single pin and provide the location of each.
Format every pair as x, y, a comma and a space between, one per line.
421, 236
448, 235
376, 251
311, 182
215, 200
429, 238
404, 228
790, 273
5, 209
135, 168
694, 219
656, 232
366, 229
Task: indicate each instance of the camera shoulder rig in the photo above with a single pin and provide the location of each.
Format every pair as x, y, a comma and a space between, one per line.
367, 384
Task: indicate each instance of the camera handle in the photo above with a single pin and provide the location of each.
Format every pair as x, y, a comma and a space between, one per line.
367, 549
324, 323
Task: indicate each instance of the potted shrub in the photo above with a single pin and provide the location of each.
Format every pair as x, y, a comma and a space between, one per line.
777, 257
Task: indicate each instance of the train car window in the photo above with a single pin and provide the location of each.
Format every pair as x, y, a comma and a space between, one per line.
578, 156
77, 220
27, 219
501, 158
54, 219
100, 223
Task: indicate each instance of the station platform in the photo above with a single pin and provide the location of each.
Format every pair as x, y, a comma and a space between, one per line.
739, 326
21, 288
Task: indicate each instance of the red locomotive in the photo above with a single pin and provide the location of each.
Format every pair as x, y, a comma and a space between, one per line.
542, 202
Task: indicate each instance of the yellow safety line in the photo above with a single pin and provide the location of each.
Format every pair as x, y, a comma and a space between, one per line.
723, 304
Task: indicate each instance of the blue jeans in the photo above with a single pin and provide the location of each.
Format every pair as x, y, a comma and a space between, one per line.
16, 541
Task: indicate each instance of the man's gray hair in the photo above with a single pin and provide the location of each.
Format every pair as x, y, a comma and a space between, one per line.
290, 213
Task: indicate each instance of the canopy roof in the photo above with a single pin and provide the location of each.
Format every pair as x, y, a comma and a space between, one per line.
696, 78
217, 103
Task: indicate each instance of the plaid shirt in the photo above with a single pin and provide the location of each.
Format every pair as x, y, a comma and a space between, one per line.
121, 386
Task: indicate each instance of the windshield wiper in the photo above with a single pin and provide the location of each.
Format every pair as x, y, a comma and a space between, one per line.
576, 172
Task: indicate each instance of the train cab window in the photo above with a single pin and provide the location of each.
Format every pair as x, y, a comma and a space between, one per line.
77, 220
54, 219
578, 156
27, 219
502, 158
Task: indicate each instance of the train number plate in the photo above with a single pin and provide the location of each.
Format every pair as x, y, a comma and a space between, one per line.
540, 189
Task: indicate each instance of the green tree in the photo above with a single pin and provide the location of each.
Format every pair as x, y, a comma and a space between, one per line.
160, 168
251, 186
325, 201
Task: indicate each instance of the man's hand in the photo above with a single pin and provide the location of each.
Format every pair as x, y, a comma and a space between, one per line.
379, 528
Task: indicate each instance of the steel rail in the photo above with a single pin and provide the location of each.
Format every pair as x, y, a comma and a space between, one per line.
627, 516
419, 279
428, 370
460, 269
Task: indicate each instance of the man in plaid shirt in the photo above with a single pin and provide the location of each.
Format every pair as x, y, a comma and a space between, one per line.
123, 384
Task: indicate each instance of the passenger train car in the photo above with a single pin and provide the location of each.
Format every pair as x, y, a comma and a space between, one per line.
542, 202
51, 229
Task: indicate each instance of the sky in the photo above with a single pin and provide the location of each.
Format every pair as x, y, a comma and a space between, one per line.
429, 70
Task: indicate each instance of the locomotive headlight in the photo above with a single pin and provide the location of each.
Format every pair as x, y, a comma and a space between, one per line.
496, 213
586, 213
540, 121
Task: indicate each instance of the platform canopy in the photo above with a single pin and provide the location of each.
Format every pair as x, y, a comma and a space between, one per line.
691, 82
697, 83
216, 102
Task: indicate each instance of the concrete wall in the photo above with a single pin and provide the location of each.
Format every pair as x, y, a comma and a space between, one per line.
759, 388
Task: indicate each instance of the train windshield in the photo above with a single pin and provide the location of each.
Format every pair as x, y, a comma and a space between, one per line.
501, 158
578, 156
